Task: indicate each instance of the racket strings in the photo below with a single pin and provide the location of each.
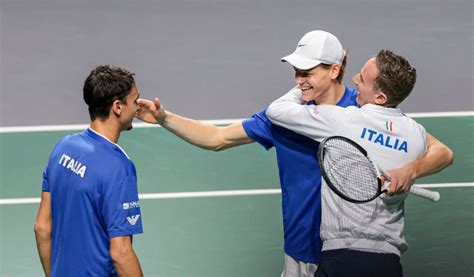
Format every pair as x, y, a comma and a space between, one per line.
351, 173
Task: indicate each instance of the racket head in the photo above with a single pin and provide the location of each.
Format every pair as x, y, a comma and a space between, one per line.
348, 170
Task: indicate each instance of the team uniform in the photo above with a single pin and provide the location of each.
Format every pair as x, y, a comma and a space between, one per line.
300, 180
358, 232
94, 197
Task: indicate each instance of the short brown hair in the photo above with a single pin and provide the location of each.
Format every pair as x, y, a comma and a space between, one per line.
342, 70
396, 77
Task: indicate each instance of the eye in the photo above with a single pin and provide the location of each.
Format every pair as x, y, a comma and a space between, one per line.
303, 74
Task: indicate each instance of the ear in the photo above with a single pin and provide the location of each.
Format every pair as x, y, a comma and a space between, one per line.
334, 70
116, 108
381, 98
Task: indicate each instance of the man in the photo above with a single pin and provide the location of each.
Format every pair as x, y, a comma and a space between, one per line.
362, 239
89, 205
298, 167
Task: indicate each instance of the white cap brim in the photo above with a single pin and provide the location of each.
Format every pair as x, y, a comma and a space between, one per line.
300, 62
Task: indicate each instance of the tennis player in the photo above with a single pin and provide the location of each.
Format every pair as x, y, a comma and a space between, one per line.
362, 239
89, 205
300, 178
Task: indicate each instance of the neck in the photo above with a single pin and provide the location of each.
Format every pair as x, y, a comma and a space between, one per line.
106, 128
332, 95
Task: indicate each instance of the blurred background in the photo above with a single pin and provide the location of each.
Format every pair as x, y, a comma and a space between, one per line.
218, 59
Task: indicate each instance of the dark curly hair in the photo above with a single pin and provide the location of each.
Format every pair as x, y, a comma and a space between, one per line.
104, 85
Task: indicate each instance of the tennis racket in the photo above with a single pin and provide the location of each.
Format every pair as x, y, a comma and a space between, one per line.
352, 175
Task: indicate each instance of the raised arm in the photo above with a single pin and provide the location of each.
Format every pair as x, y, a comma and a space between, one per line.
437, 157
43, 230
291, 112
206, 136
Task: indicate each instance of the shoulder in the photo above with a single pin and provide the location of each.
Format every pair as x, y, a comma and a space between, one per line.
417, 126
258, 120
114, 159
72, 141
332, 109
349, 98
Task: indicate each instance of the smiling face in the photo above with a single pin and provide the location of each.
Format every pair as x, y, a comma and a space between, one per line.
314, 82
364, 82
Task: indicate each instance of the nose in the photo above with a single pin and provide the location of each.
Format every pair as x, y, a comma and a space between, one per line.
299, 80
355, 79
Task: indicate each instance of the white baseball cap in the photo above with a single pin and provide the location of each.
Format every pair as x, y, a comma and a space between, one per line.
314, 48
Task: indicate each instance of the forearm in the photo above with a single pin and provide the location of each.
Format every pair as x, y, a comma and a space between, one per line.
437, 157
43, 243
192, 131
43, 230
282, 111
206, 136
291, 112
127, 264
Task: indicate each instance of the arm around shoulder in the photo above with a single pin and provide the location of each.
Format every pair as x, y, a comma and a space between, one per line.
437, 157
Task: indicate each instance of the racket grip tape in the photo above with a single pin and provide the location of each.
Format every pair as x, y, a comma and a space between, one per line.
429, 194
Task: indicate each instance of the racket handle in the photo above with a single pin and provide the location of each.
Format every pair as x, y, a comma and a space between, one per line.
428, 194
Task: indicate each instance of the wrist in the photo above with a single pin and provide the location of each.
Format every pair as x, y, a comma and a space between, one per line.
412, 170
162, 118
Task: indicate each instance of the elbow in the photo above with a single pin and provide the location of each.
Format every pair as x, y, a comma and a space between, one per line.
219, 148
217, 143
270, 112
216, 147
119, 254
42, 229
212, 147
447, 155
450, 156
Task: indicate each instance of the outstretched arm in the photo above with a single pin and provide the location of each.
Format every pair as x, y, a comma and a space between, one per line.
203, 135
43, 230
437, 157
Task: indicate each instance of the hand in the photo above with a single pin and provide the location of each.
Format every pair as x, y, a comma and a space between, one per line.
151, 111
401, 180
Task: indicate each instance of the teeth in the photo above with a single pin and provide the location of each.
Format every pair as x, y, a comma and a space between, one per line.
305, 89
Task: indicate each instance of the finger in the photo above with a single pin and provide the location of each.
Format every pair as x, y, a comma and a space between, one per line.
144, 103
389, 190
157, 102
405, 188
392, 187
139, 112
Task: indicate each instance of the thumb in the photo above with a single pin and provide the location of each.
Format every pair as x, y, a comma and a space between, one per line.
392, 187
384, 184
157, 103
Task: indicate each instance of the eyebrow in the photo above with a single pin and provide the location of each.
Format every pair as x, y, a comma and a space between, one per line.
361, 78
303, 73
